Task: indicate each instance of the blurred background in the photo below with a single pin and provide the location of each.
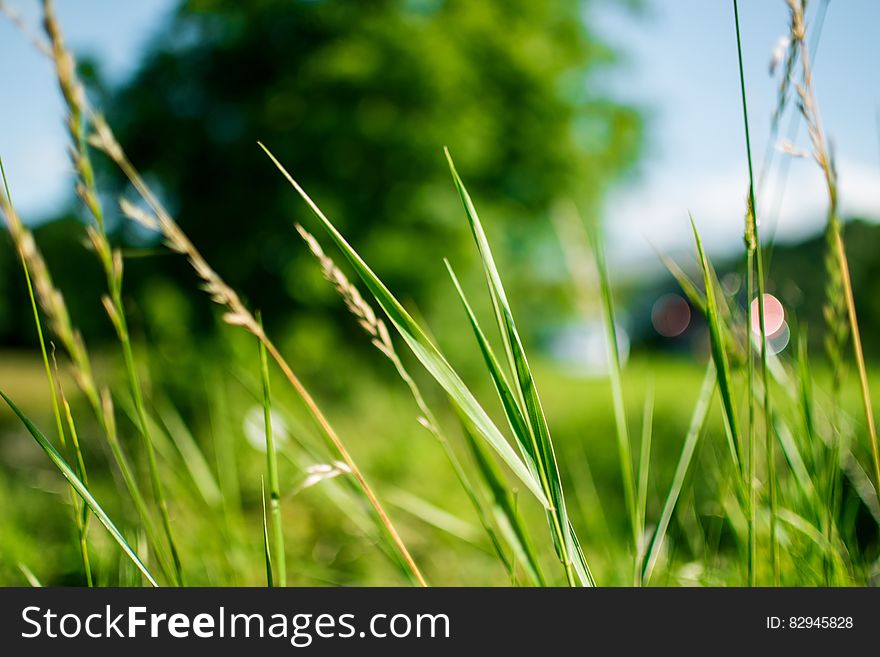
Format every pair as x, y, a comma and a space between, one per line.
622, 114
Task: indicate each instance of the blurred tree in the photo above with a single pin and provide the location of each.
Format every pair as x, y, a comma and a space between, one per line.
358, 100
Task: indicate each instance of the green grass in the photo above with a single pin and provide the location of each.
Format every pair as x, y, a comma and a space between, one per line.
80, 488
476, 478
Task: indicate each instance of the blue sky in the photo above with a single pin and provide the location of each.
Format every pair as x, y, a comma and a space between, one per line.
32, 137
680, 67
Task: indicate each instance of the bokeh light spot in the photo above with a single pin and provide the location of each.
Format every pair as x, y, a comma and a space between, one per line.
671, 315
774, 316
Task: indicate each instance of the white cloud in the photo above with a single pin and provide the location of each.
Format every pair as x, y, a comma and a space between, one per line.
655, 214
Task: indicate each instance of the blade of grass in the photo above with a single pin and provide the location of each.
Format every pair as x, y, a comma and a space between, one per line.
80, 488
422, 347
74, 96
539, 433
82, 514
719, 356
80, 520
755, 257
508, 400
237, 314
381, 339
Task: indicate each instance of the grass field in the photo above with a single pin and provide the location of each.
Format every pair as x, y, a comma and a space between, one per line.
326, 547
223, 461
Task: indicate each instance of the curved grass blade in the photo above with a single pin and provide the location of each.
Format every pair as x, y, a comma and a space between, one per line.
539, 433
508, 400
719, 356
423, 349
80, 488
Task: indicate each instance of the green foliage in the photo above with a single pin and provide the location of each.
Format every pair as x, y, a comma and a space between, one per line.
361, 97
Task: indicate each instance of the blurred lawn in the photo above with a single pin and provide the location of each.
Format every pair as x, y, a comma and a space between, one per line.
378, 420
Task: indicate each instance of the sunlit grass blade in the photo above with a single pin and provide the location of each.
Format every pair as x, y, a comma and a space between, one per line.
755, 275
539, 432
719, 356
508, 399
376, 329
423, 348
80, 488
509, 521
698, 420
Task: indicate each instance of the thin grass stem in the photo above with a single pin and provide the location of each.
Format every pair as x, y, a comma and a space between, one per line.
272, 467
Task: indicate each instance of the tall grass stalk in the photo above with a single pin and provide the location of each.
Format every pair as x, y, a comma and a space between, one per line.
111, 260
536, 464
237, 314
381, 339
81, 520
267, 550
81, 512
59, 322
755, 274
793, 129
840, 284
537, 446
